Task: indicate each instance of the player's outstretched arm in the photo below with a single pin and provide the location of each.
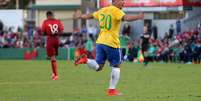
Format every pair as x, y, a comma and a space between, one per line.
86, 16
79, 15
129, 17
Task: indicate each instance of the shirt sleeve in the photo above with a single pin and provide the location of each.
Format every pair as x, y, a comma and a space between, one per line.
119, 14
95, 15
43, 27
61, 26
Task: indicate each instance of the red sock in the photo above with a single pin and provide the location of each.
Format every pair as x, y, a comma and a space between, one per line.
54, 67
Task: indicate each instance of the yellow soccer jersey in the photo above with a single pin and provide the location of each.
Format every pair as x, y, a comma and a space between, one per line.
109, 20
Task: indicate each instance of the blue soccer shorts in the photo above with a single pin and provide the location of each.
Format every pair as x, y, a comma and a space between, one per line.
104, 52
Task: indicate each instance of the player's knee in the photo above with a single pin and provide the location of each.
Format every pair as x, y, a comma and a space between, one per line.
100, 67
53, 58
116, 66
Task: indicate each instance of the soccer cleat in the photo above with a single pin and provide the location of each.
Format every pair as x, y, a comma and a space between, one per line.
55, 77
81, 60
113, 92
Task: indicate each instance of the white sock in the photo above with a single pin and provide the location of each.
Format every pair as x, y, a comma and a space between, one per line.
115, 75
92, 64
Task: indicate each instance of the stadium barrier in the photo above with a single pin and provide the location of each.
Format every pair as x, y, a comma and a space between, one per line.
19, 53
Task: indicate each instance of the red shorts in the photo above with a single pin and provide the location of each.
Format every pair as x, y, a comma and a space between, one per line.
52, 46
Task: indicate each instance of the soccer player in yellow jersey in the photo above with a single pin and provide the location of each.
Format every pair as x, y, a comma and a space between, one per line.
108, 44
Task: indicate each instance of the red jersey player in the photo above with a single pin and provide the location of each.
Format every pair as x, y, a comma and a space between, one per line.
52, 28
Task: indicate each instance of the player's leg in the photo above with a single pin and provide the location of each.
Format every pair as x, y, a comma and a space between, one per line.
97, 64
52, 52
92, 64
114, 57
54, 62
54, 68
145, 58
145, 53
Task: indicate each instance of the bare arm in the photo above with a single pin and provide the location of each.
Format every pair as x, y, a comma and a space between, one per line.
129, 17
86, 16
79, 15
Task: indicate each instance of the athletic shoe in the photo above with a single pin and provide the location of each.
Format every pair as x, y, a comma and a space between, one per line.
113, 92
55, 77
81, 60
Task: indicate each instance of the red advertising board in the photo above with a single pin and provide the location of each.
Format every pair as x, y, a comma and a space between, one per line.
192, 3
155, 3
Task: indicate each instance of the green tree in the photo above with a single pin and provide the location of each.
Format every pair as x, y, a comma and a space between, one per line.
23, 4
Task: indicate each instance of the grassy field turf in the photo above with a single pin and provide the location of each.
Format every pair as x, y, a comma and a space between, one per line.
30, 81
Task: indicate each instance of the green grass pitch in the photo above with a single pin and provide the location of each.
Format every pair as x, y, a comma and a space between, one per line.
30, 81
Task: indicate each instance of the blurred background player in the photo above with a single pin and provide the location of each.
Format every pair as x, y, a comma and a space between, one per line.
52, 28
145, 43
108, 44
